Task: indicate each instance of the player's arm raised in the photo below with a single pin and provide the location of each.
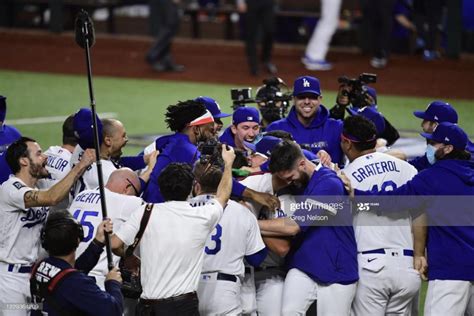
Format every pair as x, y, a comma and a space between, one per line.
225, 186
59, 191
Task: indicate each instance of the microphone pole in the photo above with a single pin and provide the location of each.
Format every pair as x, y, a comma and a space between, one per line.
85, 38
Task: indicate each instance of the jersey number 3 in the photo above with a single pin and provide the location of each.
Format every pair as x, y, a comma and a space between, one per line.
217, 239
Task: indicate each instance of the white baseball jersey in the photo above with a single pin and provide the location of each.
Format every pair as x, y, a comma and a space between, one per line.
382, 172
89, 180
172, 246
58, 165
20, 228
87, 209
236, 235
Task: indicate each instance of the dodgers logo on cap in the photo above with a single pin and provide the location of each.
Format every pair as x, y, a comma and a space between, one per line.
438, 111
306, 84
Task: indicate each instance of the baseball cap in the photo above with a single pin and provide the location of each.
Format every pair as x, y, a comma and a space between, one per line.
245, 114
370, 113
449, 134
264, 145
372, 92
306, 84
438, 111
84, 130
3, 108
212, 106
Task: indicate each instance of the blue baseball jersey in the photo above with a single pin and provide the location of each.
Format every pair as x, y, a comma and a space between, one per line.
323, 132
326, 253
178, 148
227, 137
8, 134
450, 246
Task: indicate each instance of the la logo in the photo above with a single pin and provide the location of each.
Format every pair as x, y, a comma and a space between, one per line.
305, 83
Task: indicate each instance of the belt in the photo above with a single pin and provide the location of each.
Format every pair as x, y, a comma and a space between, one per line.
226, 277
182, 297
17, 268
393, 252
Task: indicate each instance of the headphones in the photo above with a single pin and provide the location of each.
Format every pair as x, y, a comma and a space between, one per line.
66, 222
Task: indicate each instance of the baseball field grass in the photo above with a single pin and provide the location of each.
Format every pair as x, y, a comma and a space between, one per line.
141, 104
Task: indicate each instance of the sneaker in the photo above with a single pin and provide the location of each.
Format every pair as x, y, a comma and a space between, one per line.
378, 63
430, 55
312, 64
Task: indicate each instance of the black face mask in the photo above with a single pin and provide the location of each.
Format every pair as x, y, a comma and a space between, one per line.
270, 113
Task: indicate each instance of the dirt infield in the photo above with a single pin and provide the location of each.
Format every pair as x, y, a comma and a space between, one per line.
224, 62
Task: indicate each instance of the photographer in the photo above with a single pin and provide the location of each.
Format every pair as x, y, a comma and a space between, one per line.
355, 94
172, 246
65, 290
273, 100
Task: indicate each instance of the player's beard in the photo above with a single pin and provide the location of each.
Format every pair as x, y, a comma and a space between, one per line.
38, 171
303, 181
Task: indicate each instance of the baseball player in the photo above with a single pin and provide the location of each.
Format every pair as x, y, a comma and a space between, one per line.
450, 239
245, 127
236, 236
8, 134
23, 212
121, 200
323, 260
387, 279
309, 122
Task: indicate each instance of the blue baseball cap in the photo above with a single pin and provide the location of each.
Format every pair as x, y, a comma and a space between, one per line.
84, 130
306, 84
212, 106
438, 111
370, 113
3, 108
264, 145
245, 114
372, 92
449, 134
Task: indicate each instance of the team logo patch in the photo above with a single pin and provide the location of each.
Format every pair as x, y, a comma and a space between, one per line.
18, 185
305, 83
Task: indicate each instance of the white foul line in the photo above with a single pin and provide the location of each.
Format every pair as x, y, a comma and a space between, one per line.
51, 119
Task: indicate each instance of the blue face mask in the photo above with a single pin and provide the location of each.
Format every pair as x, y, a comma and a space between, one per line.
430, 154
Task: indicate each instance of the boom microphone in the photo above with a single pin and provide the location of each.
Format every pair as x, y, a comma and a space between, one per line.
84, 28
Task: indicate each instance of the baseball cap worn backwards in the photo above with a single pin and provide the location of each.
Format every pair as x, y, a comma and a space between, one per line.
438, 111
84, 130
213, 107
449, 134
306, 84
245, 114
264, 145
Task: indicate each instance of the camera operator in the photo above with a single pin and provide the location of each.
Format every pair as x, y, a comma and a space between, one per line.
172, 245
65, 290
355, 94
273, 100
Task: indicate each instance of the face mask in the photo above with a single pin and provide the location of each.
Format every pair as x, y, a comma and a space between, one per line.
430, 154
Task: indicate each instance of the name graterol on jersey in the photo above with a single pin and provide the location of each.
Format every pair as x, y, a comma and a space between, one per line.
34, 216
374, 169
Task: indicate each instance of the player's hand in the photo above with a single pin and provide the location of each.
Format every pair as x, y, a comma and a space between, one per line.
266, 199
347, 184
87, 158
228, 155
369, 100
106, 226
150, 159
114, 274
421, 265
324, 158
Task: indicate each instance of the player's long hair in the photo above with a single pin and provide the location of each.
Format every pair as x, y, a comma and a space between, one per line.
179, 115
